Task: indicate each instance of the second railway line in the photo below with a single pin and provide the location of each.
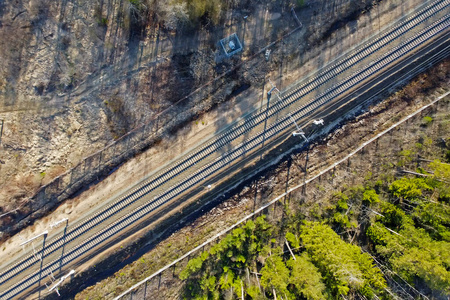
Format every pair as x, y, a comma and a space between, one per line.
208, 168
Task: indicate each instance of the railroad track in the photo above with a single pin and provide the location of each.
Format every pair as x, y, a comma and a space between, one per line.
227, 137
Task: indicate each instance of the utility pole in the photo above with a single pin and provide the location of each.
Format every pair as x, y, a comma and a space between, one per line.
56, 285
302, 134
299, 130
42, 262
56, 224
1, 130
269, 94
274, 88
45, 233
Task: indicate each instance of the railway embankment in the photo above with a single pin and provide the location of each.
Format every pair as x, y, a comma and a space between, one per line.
284, 166
269, 157
86, 118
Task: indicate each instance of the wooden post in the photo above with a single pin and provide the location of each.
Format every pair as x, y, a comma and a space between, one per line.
332, 175
84, 166
145, 290
100, 159
289, 163
254, 199
1, 131
71, 175
306, 170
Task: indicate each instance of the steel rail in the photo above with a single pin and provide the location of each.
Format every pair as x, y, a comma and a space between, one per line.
329, 94
241, 128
